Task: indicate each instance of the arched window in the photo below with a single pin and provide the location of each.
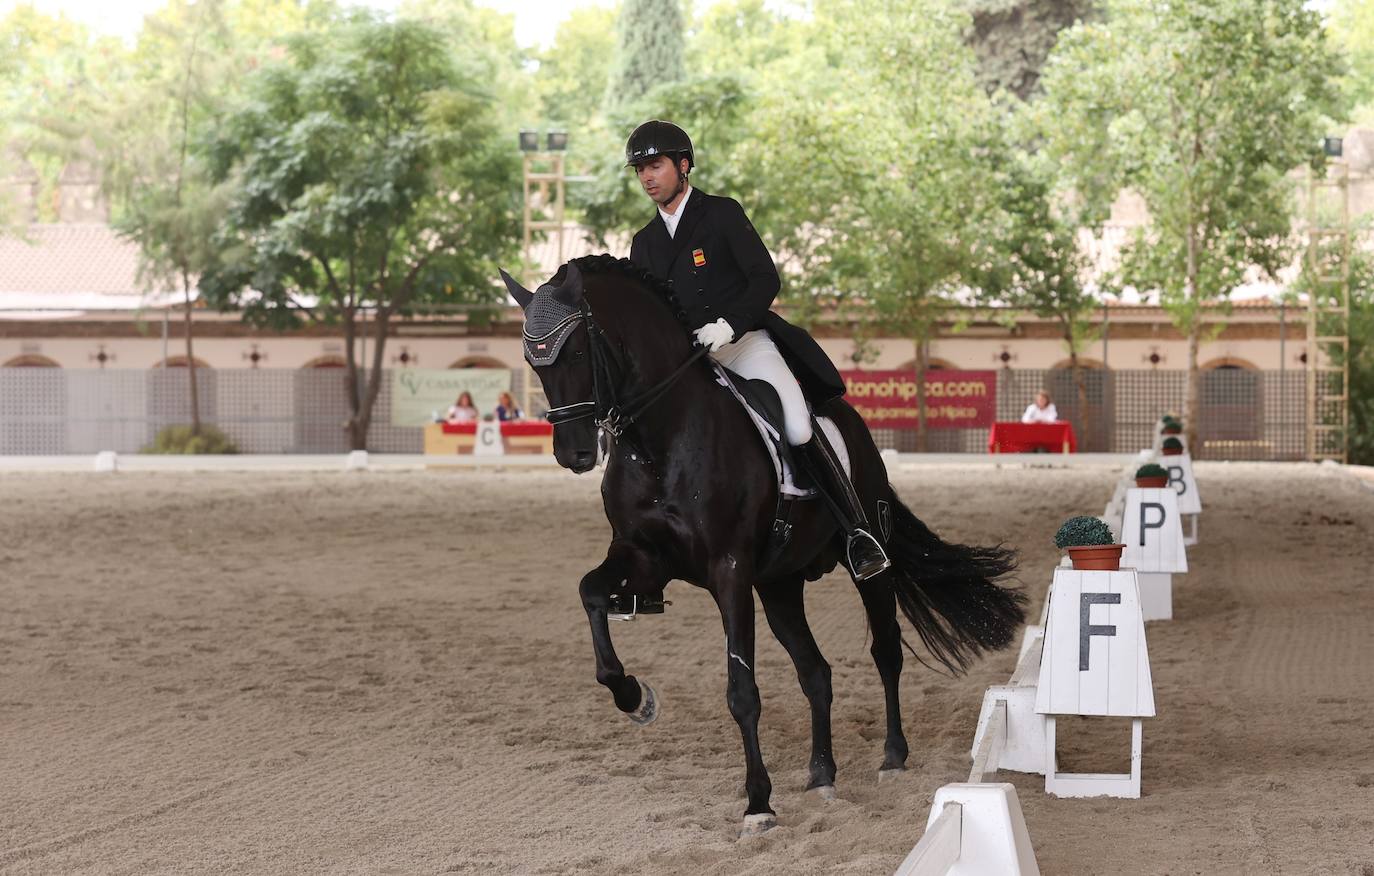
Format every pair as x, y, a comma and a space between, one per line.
31, 360
180, 362
934, 363
1230, 400
1094, 424
1083, 362
479, 362
332, 360
1231, 363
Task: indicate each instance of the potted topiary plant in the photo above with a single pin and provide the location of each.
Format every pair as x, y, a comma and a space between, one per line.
1173, 427
1151, 475
1171, 447
1090, 544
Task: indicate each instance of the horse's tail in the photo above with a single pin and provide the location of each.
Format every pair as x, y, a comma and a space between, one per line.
950, 592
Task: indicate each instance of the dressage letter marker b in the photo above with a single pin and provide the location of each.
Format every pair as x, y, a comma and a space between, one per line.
1087, 630
1176, 479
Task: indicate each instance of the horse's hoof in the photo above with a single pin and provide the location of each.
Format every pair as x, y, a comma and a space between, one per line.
887, 775
756, 825
825, 792
647, 713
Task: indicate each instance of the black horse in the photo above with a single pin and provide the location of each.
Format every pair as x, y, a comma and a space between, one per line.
691, 494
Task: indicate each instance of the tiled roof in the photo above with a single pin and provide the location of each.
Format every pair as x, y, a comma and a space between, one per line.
73, 266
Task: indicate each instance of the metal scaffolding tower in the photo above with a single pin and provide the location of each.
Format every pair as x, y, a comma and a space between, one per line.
1328, 312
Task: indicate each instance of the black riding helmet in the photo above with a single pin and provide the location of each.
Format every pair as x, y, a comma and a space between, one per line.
657, 137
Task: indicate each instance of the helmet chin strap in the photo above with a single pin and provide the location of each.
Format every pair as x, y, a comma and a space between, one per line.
681, 178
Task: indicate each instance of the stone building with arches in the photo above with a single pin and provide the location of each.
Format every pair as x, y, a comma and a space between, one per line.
71, 302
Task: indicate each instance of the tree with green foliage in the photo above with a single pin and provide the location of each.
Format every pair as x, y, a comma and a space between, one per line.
1351, 25
646, 81
1203, 109
1012, 39
134, 118
484, 40
907, 227
1360, 438
50, 69
750, 39
141, 138
370, 176
575, 71
1039, 267
650, 37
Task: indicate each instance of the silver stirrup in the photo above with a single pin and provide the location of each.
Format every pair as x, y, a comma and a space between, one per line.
849, 540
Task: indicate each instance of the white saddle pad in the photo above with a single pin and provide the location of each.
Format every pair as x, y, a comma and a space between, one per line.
772, 440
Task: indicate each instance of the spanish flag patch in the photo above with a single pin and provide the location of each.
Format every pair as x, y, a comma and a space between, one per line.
698, 258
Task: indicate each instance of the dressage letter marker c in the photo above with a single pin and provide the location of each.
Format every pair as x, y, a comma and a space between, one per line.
1087, 630
1145, 524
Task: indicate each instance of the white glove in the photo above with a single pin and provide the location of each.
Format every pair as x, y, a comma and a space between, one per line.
715, 335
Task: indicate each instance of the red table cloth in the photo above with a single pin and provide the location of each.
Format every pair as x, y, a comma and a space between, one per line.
1029, 437
510, 428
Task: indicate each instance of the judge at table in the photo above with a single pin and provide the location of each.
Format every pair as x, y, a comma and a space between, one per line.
463, 410
1041, 410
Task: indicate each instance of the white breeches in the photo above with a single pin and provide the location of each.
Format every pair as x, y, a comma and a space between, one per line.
756, 357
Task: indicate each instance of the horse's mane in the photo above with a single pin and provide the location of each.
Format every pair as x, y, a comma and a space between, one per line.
605, 263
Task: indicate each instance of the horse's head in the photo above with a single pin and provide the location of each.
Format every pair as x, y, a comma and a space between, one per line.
557, 344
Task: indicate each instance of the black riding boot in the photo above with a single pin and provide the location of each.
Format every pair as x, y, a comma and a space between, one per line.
866, 556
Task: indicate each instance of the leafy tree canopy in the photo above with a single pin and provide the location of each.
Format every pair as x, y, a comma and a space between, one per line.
370, 173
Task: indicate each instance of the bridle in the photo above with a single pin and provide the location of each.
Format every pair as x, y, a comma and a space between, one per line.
604, 407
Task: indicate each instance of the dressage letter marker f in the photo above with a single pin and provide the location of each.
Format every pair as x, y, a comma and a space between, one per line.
1144, 524
1086, 630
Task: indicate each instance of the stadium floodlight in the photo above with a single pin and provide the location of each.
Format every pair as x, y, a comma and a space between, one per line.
529, 141
1332, 147
558, 141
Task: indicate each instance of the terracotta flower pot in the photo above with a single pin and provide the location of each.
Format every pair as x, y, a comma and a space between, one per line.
1154, 482
1172, 430
1097, 557
1171, 451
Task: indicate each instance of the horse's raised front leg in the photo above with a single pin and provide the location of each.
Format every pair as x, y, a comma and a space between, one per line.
735, 598
784, 607
632, 696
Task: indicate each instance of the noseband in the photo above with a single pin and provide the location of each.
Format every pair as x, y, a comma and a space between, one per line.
604, 407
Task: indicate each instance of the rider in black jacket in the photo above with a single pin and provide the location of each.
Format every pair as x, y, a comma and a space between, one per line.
706, 248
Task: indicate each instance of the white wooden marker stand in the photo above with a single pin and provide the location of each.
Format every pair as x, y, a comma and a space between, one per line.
1020, 742
1095, 663
488, 440
1152, 531
973, 830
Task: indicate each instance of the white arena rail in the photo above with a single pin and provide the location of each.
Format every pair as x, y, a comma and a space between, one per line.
975, 829
938, 850
989, 750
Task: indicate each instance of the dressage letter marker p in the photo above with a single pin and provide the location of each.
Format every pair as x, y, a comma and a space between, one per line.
1086, 629
1145, 524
